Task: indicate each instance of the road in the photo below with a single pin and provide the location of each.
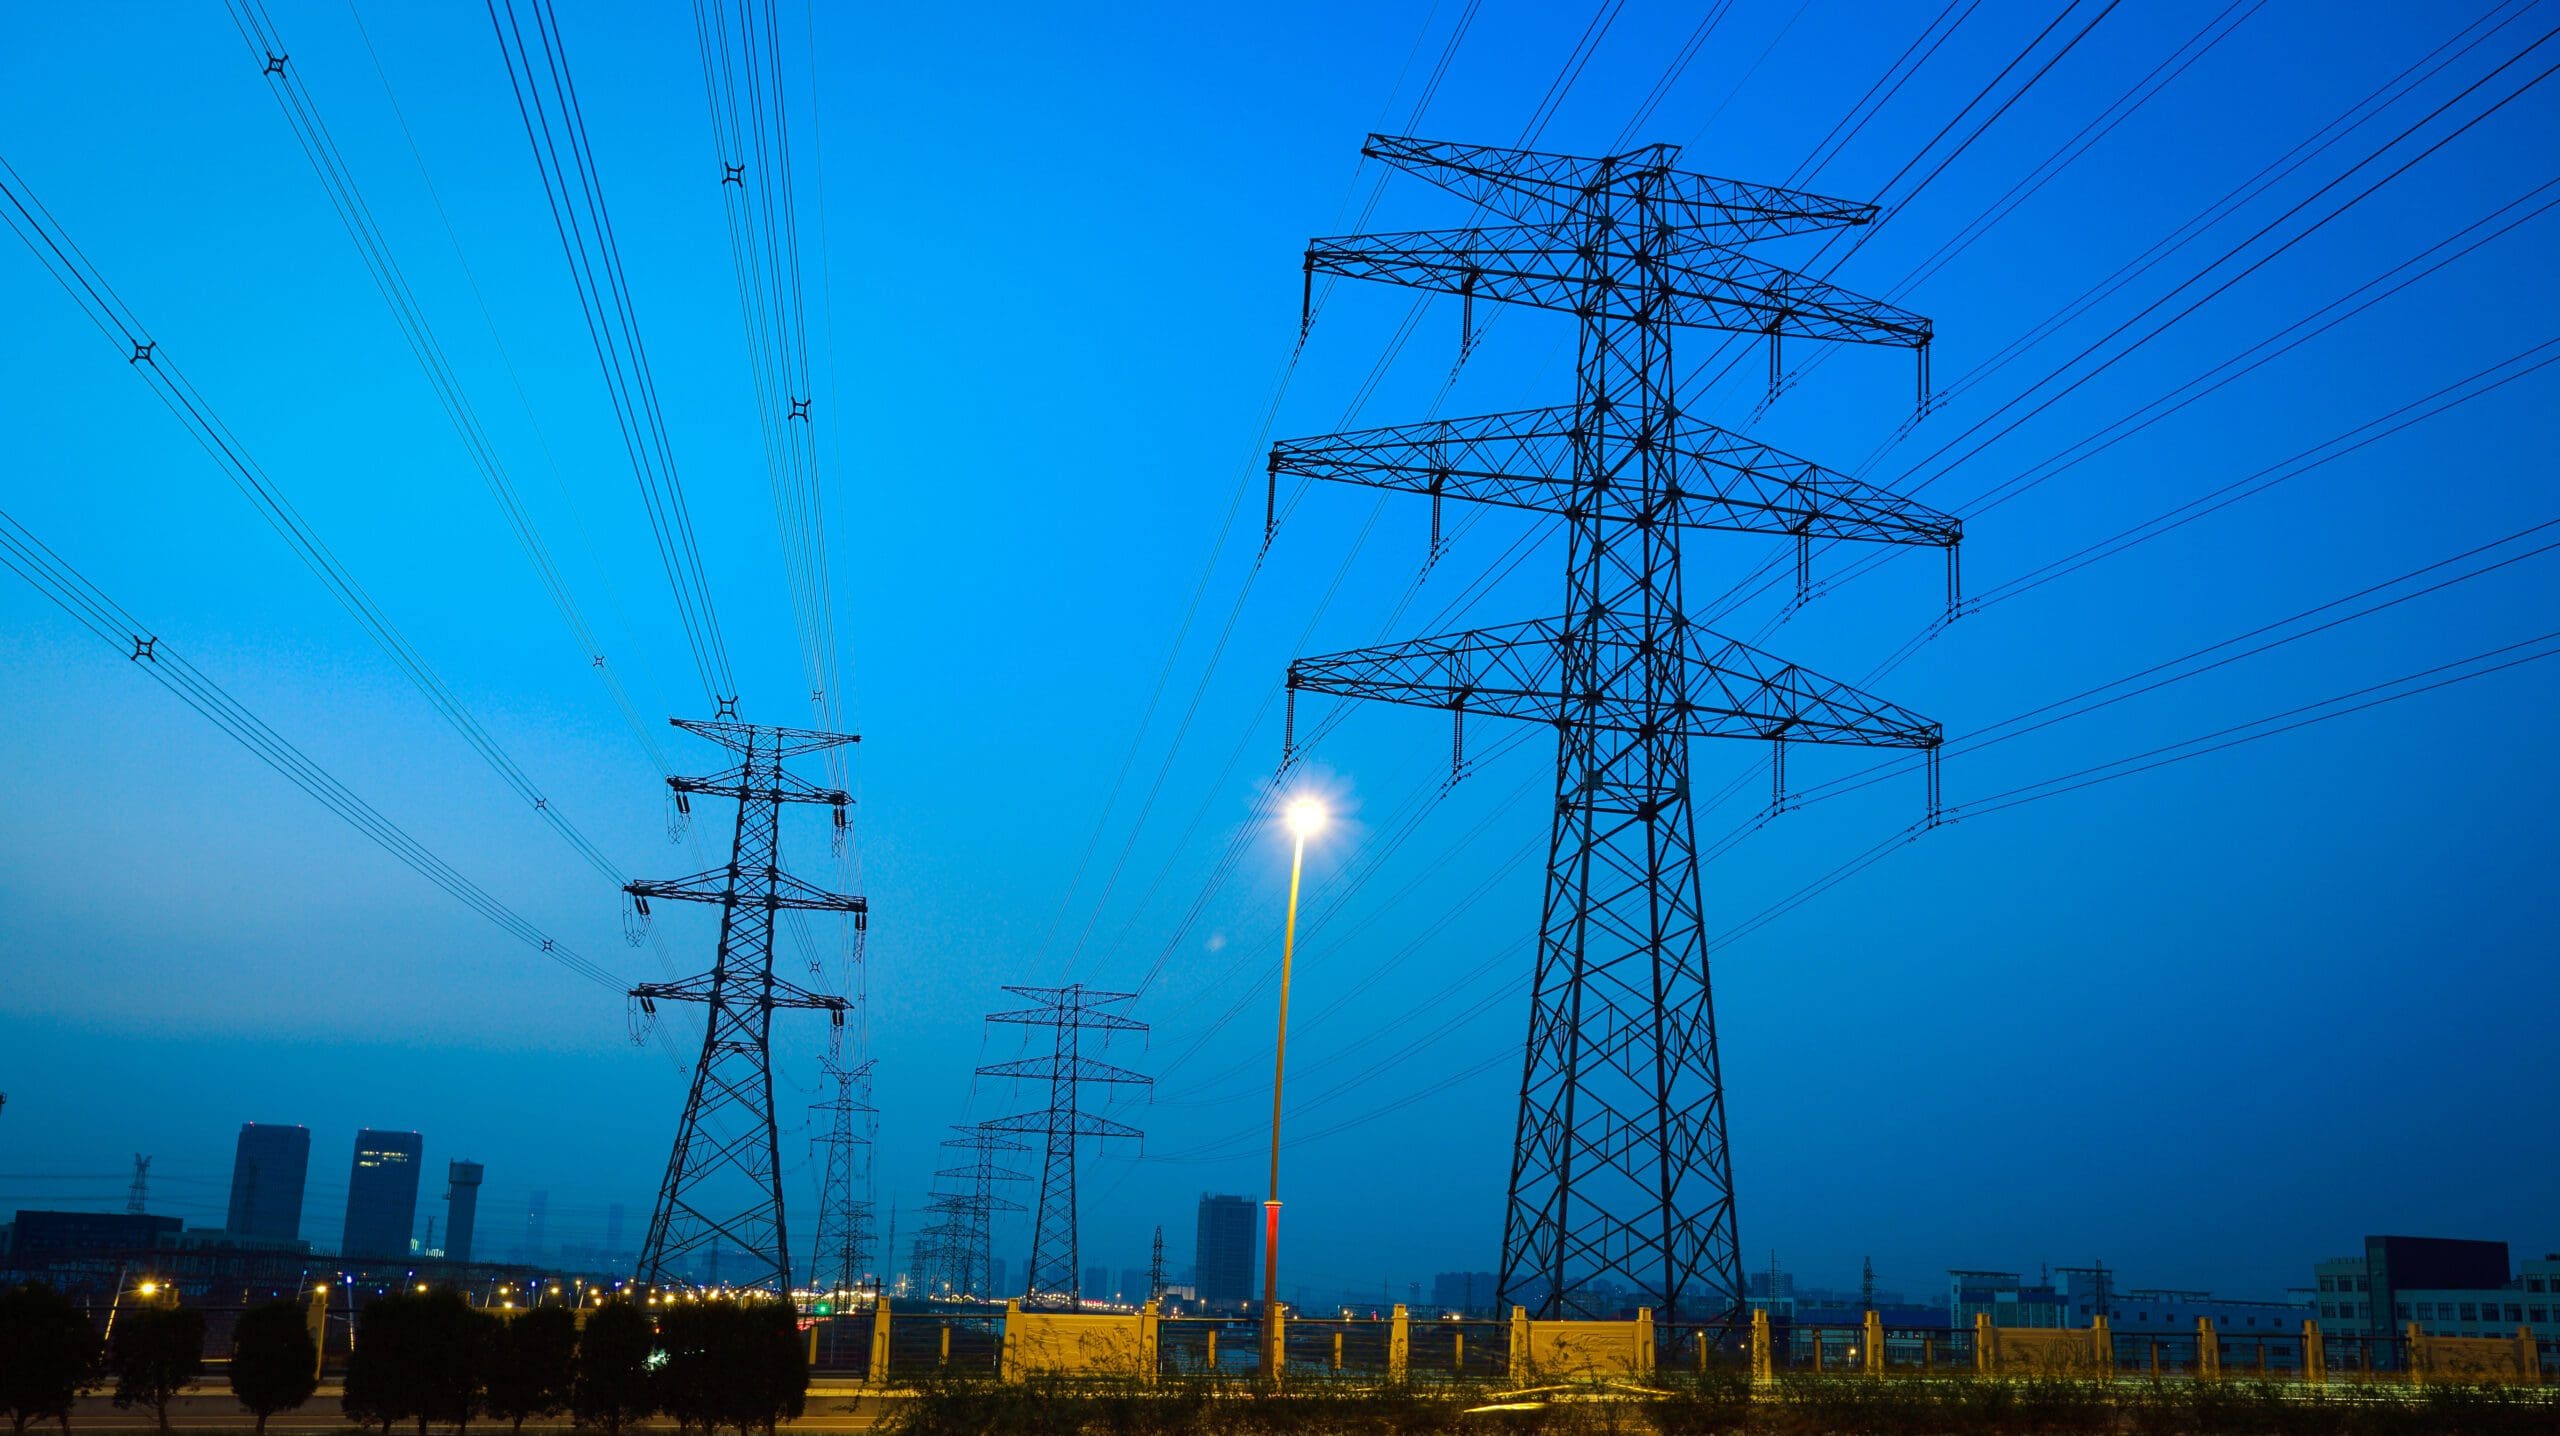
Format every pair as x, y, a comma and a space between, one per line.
833, 1406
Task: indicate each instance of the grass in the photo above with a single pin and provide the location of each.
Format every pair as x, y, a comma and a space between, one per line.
1720, 1402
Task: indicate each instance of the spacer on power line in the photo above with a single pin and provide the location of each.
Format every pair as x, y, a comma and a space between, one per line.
146, 648
142, 351
799, 410
275, 63
734, 174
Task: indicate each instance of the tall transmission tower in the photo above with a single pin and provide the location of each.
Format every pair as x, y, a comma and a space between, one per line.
137, 1197
1068, 1012
1620, 1174
968, 1213
843, 1246
724, 1177
1155, 1268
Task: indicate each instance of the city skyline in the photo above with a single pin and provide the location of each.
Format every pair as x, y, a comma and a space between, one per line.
2300, 983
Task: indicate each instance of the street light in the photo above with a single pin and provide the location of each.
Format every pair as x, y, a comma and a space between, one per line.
1305, 818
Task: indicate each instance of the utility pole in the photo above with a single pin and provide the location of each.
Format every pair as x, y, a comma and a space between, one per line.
724, 1177
1068, 1012
843, 1245
1619, 1166
136, 1197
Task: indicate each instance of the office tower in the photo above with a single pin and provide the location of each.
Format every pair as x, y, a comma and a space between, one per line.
267, 1171
462, 1208
1224, 1251
537, 1213
382, 1195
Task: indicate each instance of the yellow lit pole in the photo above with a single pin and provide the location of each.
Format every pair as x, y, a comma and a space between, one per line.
1305, 816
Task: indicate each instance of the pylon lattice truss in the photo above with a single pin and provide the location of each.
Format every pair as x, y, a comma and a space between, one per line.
1053, 1278
841, 1252
1620, 1174
723, 1185
963, 1232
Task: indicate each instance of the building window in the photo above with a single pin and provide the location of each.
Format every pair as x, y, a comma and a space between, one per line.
2538, 1315
2328, 1283
2470, 1312
2515, 1312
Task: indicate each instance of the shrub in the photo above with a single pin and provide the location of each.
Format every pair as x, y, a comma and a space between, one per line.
156, 1352
275, 1365
531, 1365
612, 1386
417, 1357
48, 1354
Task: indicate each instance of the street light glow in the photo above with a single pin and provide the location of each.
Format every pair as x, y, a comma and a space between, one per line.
1306, 816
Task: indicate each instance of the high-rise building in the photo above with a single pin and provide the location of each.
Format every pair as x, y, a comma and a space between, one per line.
1133, 1284
1224, 1251
997, 1276
1097, 1283
267, 1171
1468, 1293
461, 1208
613, 1229
382, 1195
537, 1214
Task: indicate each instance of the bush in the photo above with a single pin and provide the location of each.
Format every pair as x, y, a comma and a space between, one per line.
48, 1354
156, 1352
611, 1386
275, 1365
418, 1357
729, 1363
531, 1365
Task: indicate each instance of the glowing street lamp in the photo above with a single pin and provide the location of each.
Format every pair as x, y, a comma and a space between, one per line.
1305, 818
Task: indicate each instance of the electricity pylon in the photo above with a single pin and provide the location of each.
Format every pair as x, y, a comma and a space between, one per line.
843, 1246
968, 1258
1620, 1172
1053, 1278
724, 1177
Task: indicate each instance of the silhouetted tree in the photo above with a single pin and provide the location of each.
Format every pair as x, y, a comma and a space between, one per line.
613, 1386
417, 1358
156, 1352
275, 1366
688, 1382
531, 1365
48, 1354
771, 1381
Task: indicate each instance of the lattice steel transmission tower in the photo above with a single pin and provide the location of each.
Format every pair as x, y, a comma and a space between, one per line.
1619, 1168
843, 1245
1068, 1012
966, 1225
724, 1177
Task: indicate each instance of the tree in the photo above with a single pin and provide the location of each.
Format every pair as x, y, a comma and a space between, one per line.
48, 1354
772, 1365
156, 1352
612, 1387
417, 1358
531, 1365
689, 1381
275, 1365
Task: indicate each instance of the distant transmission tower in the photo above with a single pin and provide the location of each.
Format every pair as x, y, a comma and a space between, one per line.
1619, 1170
1068, 1012
1155, 1268
968, 1213
724, 1178
136, 1197
843, 1246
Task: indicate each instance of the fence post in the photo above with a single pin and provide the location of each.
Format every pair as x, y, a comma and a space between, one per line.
1698, 1348
2208, 1351
1337, 1350
2155, 1358
1278, 1316
2102, 1335
1763, 1363
877, 1372
1644, 1343
1005, 1355
1213, 1350
1399, 1343
1874, 1337
946, 1342
813, 1341
1459, 1364
1519, 1345
2315, 1354
2528, 1356
2418, 1355
1150, 1354
1986, 1344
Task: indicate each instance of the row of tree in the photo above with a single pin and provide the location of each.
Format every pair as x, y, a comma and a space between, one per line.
428, 1357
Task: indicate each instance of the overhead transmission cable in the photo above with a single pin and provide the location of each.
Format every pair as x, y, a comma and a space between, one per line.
45, 238
148, 651
546, 97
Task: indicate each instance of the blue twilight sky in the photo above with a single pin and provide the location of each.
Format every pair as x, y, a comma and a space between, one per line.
2209, 1023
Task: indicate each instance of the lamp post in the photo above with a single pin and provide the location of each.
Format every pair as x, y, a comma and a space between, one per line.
1306, 816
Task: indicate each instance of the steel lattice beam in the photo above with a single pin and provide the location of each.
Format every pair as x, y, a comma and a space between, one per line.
1052, 1277
1536, 188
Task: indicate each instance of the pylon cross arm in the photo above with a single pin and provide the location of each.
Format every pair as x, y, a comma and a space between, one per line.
1539, 188
1065, 1124
1525, 459
1729, 689
763, 783
714, 885
1082, 1069
1681, 281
